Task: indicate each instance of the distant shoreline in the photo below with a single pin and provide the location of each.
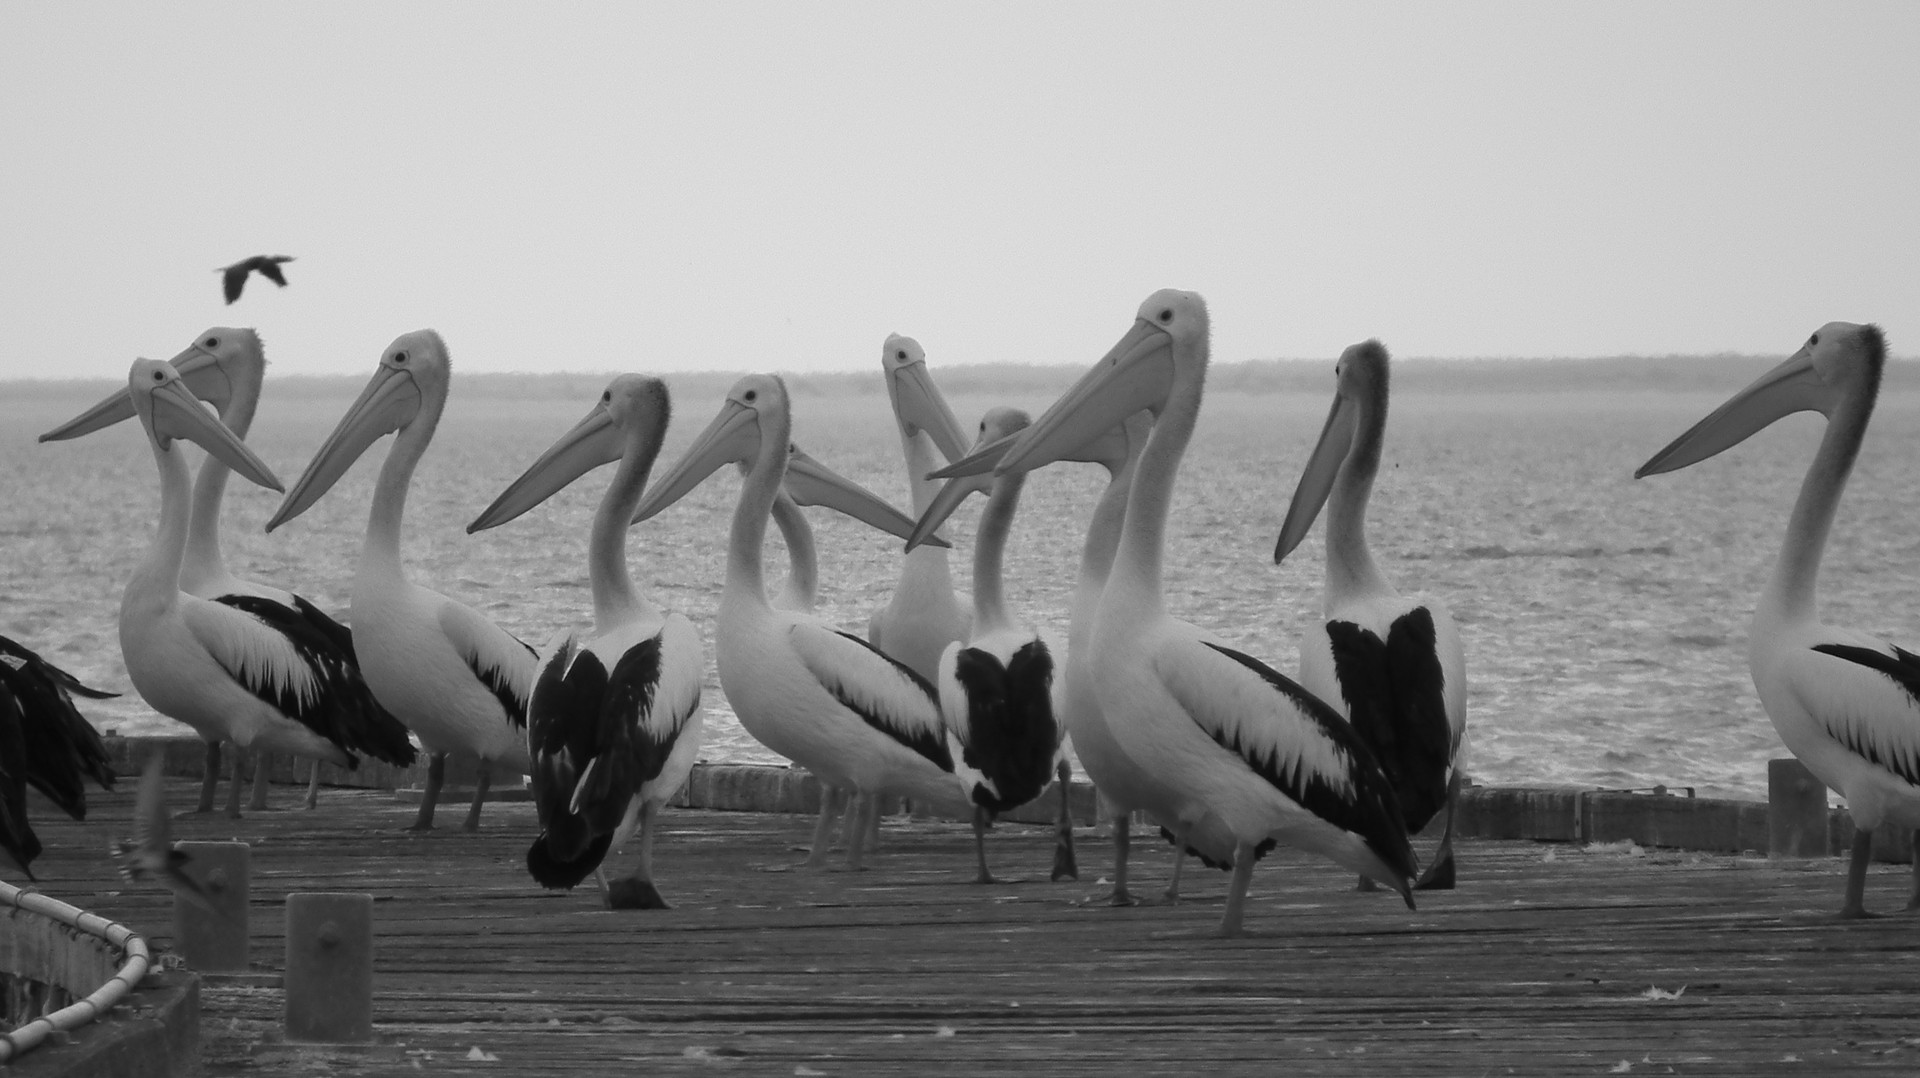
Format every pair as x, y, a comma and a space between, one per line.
1707, 374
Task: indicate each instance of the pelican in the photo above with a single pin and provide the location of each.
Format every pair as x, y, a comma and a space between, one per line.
614, 722
825, 699
226, 367
1244, 749
45, 743
1121, 786
924, 615
207, 663
1846, 703
457, 680
996, 687
1392, 666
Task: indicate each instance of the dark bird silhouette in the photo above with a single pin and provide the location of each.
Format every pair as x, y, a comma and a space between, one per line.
234, 277
151, 856
44, 743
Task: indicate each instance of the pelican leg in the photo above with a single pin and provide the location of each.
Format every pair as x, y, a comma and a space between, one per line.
980, 824
869, 806
823, 827
1179, 865
852, 818
262, 776
1064, 866
1237, 890
1913, 900
233, 790
873, 829
313, 786
480, 784
436, 776
1855, 906
636, 892
210, 777
1122, 839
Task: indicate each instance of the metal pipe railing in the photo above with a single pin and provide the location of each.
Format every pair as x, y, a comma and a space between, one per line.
131, 972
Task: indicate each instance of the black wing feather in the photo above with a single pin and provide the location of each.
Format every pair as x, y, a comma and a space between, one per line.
59, 747
1394, 691
1371, 811
16, 833
1903, 669
927, 743
342, 709
1011, 731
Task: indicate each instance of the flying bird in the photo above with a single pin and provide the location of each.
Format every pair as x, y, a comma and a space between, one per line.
233, 278
151, 854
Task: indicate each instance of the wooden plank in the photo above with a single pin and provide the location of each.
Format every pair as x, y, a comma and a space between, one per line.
1550, 958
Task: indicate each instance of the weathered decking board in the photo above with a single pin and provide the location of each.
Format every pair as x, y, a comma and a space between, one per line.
1541, 963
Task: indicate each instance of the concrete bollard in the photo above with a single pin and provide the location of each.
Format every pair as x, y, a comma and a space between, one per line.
329, 968
215, 942
1796, 811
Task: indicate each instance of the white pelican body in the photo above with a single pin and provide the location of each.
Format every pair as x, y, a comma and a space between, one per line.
924, 615
826, 700
996, 687
1237, 745
615, 722
1847, 704
201, 662
1391, 665
226, 367
457, 680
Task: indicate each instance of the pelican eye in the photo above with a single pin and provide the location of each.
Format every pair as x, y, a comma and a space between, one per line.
1166, 316
606, 397
1813, 340
901, 355
213, 342
400, 357
159, 376
750, 396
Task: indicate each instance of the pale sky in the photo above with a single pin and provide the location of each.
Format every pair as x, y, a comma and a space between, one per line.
596, 187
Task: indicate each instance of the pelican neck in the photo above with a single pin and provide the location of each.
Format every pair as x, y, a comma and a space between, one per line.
1096, 554
803, 572
1789, 595
615, 600
382, 546
1350, 564
160, 573
989, 555
202, 562
1136, 569
746, 577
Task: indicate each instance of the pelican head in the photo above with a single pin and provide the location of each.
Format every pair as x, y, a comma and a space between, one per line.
1360, 392
1169, 331
997, 430
755, 405
632, 407
218, 366
917, 404
168, 410
413, 372
1839, 363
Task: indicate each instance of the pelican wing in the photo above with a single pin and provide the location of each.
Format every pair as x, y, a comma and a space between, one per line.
58, 745
1395, 692
258, 657
1008, 733
885, 693
17, 656
16, 834
1871, 705
325, 691
502, 661
1290, 738
672, 670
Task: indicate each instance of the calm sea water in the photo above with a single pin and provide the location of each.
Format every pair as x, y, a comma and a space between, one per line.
1605, 618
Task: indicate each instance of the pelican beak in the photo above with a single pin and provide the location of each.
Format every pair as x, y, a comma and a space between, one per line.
919, 406
1793, 386
592, 442
1316, 482
1135, 374
979, 462
810, 482
169, 410
732, 437
199, 371
388, 403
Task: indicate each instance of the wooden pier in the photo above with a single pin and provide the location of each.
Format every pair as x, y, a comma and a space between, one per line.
1551, 958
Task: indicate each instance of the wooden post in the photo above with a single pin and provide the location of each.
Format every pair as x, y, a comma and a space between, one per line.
329, 968
214, 942
1796, 811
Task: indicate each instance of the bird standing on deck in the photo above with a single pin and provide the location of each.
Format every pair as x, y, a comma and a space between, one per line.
1846, 703
1246, 752
614, 722
234, 278
456, 679
45, 743
210, 664
1393, 666
996, 687
825, 699
226, 367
